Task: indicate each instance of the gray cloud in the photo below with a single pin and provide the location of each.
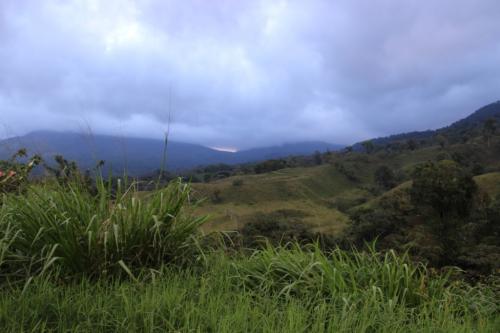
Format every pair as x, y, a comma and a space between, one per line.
246, 73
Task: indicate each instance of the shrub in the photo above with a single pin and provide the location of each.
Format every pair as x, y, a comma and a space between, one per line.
216, 196
281, 227
237, 182
346, 171
369, 224
270, 165
344, 204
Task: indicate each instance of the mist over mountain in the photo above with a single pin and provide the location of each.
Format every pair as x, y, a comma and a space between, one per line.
139, 155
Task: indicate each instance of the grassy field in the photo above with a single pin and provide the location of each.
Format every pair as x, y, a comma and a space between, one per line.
311, 190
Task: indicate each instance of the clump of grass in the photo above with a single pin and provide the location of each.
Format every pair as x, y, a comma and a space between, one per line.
370, 284
340, 274
111, 232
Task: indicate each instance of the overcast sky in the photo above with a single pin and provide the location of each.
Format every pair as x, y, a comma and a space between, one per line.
244, 73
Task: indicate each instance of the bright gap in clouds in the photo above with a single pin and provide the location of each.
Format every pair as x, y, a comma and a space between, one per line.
225, 149
123, 35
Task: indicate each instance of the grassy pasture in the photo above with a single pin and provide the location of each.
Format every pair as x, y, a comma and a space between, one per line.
312, 190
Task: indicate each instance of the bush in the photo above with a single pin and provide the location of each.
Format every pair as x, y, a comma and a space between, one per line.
216, 196
346, 171
344, 204
369, 224
280, 227
237, 182
270, 165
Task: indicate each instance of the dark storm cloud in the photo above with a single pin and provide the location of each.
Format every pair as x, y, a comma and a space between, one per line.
246, 73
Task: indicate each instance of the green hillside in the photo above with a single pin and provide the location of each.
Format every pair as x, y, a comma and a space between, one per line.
354, 197
232, 201
325, 193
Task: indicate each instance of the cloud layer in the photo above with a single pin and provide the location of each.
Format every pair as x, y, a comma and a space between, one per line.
246, 73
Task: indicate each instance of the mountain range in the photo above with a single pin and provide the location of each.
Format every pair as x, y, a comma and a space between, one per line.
139, 156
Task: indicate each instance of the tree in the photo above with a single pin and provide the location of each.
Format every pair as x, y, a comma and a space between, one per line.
412, 144
394, 147
489, 129
385, 177
441, 140
318, 159
348, 149
448, 190
369, 146
65, 170
348, 172
444, 186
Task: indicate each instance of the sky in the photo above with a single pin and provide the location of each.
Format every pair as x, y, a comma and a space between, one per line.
246, 73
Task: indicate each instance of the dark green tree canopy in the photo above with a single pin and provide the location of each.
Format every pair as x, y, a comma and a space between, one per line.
444, 186
489, 129
385, 177
369, 146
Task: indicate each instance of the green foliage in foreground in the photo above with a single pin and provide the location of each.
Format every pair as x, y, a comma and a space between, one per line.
66, 228
275, 290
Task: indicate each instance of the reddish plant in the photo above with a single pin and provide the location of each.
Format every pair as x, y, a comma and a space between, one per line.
14, 175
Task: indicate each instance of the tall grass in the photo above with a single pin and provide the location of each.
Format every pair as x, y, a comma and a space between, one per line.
340, 274
67, 228
364, 281
214, 300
